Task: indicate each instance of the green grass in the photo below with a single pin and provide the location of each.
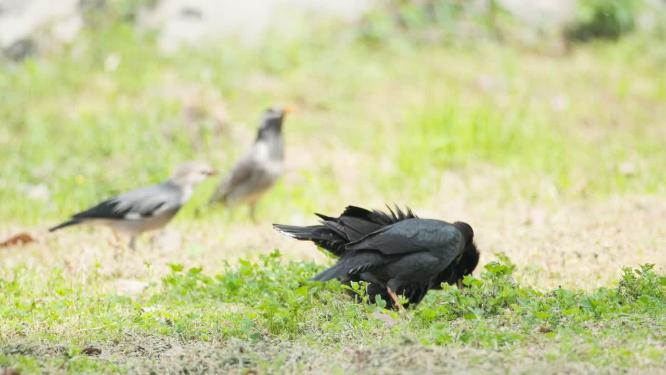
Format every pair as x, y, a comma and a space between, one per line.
381, 118
47, 322
528, 148
572, 119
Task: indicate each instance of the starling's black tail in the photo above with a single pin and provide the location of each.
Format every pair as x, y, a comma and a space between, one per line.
65, 224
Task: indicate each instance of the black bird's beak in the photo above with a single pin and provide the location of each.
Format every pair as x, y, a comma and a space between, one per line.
288, 109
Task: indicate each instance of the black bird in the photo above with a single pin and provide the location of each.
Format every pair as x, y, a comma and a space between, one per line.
258, 170
392, 251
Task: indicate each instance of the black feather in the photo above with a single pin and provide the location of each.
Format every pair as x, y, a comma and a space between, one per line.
331, 273
105, 210
321, 235
335, 232
360, 229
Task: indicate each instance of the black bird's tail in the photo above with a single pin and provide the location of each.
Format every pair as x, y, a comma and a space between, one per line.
321, 235
310, 233
334, 233
65, 224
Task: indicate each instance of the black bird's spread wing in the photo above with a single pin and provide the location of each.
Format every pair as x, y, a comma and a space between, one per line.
410, 236
353, 264
333, 233
356, 222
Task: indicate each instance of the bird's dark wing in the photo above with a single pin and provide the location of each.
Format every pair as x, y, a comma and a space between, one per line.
410, 236
357, 222
393, 215
353, 264
353, 224
136, 204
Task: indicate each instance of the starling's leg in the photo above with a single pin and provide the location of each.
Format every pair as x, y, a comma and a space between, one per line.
394, 297
116, 239
132, 243
116, 244
156, 238
253, 212
459, 283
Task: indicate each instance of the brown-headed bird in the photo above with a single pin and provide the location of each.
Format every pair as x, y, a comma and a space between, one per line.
261, 166
395, 252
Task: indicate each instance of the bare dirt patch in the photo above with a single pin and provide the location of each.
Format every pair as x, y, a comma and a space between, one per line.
153, 354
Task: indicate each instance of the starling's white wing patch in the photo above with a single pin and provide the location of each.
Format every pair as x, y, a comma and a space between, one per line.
133, 216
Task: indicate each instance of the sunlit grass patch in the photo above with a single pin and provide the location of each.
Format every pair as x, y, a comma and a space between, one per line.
524, 143
110, 114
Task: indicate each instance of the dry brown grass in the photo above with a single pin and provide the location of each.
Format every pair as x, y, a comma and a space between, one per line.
575, 243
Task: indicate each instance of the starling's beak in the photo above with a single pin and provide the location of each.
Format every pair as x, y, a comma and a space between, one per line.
288, 109
212, 172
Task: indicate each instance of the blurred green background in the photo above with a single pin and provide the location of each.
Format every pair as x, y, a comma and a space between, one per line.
388, 101
542, 123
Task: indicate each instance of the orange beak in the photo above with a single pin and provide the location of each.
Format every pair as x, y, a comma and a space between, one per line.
288, 109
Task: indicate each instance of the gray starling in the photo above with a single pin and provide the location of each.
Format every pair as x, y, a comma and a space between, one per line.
258, 170
145, 209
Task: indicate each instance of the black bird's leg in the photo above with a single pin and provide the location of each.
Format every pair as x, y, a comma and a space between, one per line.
394, 297
459, 284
